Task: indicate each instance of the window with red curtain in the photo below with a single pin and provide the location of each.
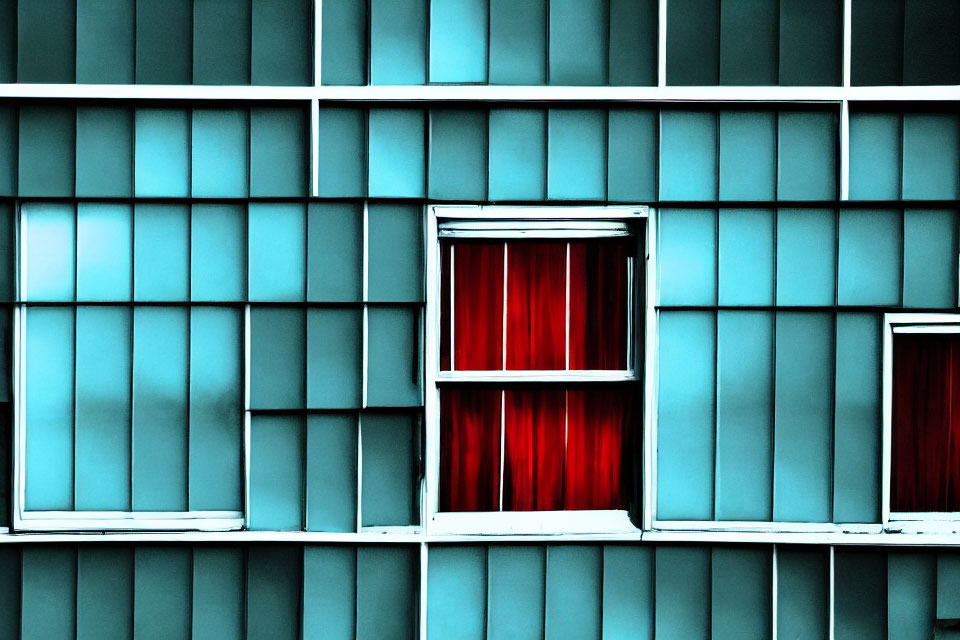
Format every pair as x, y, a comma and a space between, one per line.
925, 457
536, 356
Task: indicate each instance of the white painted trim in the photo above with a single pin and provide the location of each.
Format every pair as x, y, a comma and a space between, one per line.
317, 41
774, 594
662, 44
845, 150
431, 349
761, 527
531, 522
314, 148
494, 213
559, 375
422, 604
832, 592
128, 521
242, 537
651, 374
847, 42
481, 93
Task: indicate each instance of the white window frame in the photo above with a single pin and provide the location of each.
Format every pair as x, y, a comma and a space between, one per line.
909, 522
85, 521
503, 221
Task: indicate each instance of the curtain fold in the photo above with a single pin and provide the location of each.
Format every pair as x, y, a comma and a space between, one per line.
598, 304
536, 305
470, 449
478, 305
926, 423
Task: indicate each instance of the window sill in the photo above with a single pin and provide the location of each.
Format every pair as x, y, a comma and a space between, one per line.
128, 521
511, 523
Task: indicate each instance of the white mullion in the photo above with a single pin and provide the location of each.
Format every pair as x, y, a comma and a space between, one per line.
247, 418
317, 40
503, 439
424, 567
359, 473
662, 44
845, 150
504, 338
774, 594
453, 350
833, 591
315, 147
567, 310
365, 290
847, 40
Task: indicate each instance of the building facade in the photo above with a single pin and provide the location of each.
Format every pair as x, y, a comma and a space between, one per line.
496, 319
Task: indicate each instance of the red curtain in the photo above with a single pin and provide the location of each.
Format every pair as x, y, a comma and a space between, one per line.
534, 444
478, 305
470, 450
593, 468
926, 423
536, 305
598, 304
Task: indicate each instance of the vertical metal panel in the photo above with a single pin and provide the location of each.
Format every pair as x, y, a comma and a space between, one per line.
49, 249
218, 252
277, 358
688, 155
331, 475
911, 594
632, 154
457, 592
329, 592
8, 41
164, 47
803, 424
740, 596
334, 252
518, 42
281, 42
161, 166
277, 260
334, 358
274, 579
221, 42
10, 591
628, 592
930, 249
49, 364
105, 45
103, 407
9, 270
803, 588
398, 42
688, 256
682, 593
217, 605
931, 156
278, 151
386, 592
458, 40
396, 153
746, 256
161, 250
577, 154
160, 394
579, 42
344, 42
518, 147
877, 55
806, 257
633, 43
393, 347
48, 605
810, 42
744, 415
807, 155
948, 584
870, 247
685, 424
104, 594
860, 600
104, 251
104, 151
47, 150
9, 129
161, 592
931, 49
216, 409
458, 154
856, 457
748, 160
218, 153
573, 592
875, 155
390, 459
693, 42
342, 168
515, 592
395, 253
277, 452
749, 42
46, 41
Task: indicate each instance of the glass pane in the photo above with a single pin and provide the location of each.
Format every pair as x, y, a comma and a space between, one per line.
470, 427
926, 423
